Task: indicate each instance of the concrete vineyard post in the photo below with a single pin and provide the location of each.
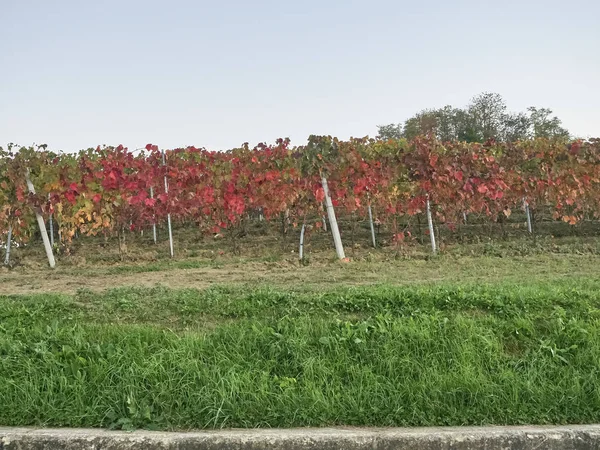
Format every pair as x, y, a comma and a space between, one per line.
8, 244
153, 218
528, 215
169, 214
301, 249
170, 235
335, 231
373, 241
324, 223
51, 227
430, 225
42, 225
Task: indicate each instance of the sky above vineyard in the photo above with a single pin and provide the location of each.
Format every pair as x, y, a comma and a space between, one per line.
76, 74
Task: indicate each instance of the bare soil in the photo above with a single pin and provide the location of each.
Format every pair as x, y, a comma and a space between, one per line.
27, 280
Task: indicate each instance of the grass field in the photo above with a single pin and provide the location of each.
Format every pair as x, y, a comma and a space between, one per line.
446, 354
489, 332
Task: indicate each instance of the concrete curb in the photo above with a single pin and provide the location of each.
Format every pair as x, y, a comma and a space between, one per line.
576, 437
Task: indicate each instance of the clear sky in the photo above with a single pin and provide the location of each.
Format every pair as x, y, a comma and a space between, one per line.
78, 73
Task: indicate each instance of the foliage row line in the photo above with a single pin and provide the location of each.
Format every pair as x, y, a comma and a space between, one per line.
110, 189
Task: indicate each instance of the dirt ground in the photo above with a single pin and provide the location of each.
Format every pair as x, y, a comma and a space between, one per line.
289, 275
95, 264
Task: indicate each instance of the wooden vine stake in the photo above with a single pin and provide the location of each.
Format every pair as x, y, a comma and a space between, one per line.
335, 231
41, 224
8, 243
168, 214
430, 225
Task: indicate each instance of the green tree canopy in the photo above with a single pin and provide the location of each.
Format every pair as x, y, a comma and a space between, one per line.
485, 117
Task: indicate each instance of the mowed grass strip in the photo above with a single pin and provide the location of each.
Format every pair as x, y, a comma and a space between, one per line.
233, 357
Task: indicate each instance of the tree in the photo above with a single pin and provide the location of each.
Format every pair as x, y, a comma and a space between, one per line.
485, 118
391, 131
447, 124
446, 129
456, 124
515, 127
422, 123
544, 125
488, 110
466, 127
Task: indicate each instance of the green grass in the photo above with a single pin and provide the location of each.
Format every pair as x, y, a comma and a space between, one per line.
451, 354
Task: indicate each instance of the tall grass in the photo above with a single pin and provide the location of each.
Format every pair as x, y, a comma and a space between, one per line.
428, 355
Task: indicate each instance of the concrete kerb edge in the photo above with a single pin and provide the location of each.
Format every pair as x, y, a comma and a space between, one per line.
576, 437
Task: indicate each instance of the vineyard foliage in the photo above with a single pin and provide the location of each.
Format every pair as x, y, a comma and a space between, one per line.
108, 190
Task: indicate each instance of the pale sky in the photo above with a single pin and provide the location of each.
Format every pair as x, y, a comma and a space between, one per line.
78, 73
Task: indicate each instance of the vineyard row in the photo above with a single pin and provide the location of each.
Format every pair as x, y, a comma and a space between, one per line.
111, 189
